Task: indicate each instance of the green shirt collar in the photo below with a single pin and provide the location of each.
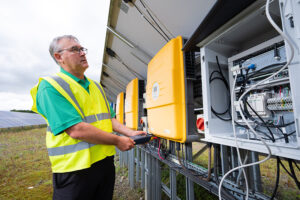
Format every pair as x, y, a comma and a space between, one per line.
83, 82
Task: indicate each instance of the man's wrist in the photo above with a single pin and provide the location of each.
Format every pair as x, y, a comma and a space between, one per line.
116, 140
131, 133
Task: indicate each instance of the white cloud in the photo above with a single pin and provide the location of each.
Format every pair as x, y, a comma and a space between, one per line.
11, 101
27, 28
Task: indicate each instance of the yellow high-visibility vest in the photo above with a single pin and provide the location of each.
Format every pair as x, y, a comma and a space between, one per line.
67, 154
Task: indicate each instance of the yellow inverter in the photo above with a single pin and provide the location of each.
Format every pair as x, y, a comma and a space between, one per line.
134, 103
131, 104
166, 93
120, 108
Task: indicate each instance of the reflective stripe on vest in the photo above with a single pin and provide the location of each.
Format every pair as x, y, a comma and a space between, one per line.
92, 118
98, 86
55, 151
67, 89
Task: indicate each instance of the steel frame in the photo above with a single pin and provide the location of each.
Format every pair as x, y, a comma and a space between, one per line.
144, 164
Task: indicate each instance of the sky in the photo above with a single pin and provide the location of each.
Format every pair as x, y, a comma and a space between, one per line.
26, 30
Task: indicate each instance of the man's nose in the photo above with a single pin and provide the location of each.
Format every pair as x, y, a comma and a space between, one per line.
82, 53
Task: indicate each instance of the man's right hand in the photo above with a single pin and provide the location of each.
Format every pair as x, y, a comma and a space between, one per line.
125, 143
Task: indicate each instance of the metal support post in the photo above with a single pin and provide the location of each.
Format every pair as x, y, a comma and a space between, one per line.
148, 177
224, 159
131, 168
137, 166
153, 179
234, 162
173, 175
120, 158
189, 184
125, 158
142, 169
157, 177
255, 176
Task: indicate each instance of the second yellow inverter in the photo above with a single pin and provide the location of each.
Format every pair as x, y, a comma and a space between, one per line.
120, 108
131, 104
134, 103
166, 93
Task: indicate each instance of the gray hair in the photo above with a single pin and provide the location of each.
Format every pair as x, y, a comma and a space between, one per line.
55, 47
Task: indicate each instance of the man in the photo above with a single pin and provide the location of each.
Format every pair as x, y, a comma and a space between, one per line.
79, 137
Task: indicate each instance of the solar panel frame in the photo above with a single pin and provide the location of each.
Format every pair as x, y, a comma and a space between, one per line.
18, 119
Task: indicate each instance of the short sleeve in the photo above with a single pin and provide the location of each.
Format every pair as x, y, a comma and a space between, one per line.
59, 112
112, 112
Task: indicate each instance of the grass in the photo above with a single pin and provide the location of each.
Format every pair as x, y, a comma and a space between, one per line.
24, 165
25, 171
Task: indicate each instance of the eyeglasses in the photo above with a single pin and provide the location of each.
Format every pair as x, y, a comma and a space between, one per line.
75, 49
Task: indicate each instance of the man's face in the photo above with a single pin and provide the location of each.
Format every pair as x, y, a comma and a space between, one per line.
70, 57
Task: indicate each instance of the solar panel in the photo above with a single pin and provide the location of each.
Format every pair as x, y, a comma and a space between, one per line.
18, 119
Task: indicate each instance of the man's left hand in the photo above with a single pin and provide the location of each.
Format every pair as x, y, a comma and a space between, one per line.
138, 133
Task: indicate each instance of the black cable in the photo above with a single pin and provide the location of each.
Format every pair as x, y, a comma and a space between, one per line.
242, 88
219, 66
286, 134
279, 138
155, 21
285, 168
269, 137
277, 179
261, 119
149, 21
293, 173
265, 124
296, 164
223, 79
278, 126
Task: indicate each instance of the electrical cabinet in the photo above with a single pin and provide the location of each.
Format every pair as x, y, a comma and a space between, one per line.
239, 55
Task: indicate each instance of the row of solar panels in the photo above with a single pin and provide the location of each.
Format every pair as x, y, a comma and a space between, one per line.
18, 119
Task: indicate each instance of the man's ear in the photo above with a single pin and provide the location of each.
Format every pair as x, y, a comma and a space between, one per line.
57, 56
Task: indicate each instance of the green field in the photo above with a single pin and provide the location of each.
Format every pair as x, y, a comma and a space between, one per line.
24, 165
25, 168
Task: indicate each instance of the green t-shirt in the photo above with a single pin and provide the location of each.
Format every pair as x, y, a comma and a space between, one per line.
57, 109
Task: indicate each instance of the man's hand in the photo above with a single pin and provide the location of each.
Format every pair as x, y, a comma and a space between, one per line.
133, 133
120, 128
125, 143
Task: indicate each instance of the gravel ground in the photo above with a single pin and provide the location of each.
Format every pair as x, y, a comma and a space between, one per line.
122, 189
